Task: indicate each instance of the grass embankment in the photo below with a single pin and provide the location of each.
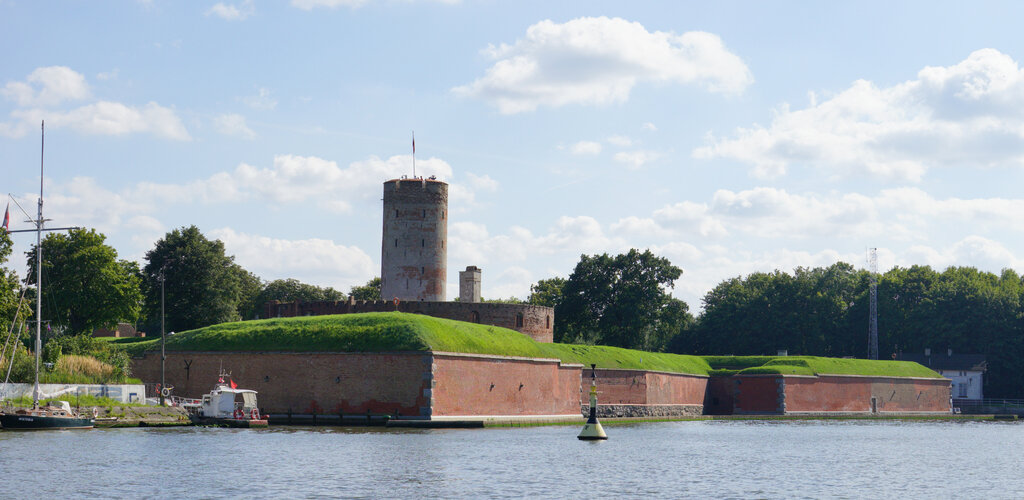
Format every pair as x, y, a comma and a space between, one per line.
391, 332
813, 365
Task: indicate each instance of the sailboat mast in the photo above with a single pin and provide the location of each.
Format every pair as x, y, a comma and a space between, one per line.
39, 266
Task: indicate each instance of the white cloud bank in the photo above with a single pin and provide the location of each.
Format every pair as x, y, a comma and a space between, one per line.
598, 60
968, 114
39, 96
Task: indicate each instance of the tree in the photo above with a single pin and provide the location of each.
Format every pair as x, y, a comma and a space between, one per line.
85, 286
250, 288
202, 285
369, 291
547, 292
288, 290
619, 301
9, 287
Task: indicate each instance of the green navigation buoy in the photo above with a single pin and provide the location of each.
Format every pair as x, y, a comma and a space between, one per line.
592, 430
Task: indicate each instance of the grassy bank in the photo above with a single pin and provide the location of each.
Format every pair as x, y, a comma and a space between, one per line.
391, 332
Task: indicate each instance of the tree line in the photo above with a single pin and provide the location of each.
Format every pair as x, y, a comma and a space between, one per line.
619, 300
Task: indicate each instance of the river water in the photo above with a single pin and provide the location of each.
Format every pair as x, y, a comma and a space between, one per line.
702, 459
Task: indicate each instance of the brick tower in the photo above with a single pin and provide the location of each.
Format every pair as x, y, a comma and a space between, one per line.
414, 253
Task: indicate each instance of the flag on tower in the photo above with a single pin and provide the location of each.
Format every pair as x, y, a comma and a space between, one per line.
414, 143
7, 218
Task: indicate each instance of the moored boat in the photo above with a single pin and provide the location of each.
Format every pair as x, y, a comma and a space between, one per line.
226, 405
49, 416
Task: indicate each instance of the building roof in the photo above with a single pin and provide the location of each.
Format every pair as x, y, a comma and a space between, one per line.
946, 361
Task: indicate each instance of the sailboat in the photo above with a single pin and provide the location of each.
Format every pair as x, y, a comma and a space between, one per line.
50, 416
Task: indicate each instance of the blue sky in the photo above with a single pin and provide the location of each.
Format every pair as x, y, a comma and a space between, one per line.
730, 137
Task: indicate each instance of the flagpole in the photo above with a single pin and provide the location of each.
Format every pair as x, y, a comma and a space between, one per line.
413, 154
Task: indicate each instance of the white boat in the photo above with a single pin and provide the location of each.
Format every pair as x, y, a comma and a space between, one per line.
226, 405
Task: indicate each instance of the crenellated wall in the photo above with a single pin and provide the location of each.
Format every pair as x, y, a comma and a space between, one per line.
535, 321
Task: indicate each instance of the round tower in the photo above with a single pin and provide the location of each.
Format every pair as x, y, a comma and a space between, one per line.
414, 253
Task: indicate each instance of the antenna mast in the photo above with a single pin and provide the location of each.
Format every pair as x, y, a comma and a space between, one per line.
873, 306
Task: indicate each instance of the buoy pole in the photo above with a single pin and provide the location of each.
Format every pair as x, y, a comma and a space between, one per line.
592, 430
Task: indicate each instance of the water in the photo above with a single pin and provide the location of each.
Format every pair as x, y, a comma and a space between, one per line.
706, 459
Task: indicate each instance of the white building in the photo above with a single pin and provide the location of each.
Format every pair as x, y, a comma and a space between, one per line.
965, 370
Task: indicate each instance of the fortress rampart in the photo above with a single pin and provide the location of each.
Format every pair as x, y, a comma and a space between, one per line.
535, 321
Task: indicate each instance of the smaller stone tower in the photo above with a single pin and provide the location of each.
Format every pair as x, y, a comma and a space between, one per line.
469, 285
414, 257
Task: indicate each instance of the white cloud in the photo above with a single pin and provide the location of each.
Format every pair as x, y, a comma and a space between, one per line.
231, 12
969, 114
293, 179
332, 4
262, 100
109, 118
636, 159
234, 125
585, 148
47, 86
482, 182
650, 127
315, 261
598, 60
620, 141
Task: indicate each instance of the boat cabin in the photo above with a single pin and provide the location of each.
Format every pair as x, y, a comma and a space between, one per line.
225, 402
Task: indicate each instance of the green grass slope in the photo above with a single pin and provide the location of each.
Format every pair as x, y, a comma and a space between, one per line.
391, 332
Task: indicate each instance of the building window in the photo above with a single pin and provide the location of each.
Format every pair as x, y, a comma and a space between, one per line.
547, 322
396, 213
423, 243
963, 390
519, 320
476, 317
442, 214
424, 214
423, 270
396, 242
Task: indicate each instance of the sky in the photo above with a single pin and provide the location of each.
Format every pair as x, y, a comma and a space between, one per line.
728, 137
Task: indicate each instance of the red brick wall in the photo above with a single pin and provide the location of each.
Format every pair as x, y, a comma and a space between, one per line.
638, 387
538, 321
838, 394
302, 382
757, 394
718, 400
470, 385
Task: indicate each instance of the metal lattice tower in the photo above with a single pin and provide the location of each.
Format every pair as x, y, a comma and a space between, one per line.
873, 306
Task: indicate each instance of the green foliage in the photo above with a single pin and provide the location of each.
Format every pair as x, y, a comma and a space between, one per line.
85, 286
249, 289
87, 345
9, 287
824, 312
202, 285
547, 292
621, 301
288, 290
369, 291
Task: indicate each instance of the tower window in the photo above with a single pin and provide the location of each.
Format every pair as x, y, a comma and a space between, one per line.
519, 320
423, 270
423, 243
396, 213
396, 242
424, 214
442, 214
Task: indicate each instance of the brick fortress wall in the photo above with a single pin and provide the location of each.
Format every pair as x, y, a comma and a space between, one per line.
638, 393
837, 394
535, 321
